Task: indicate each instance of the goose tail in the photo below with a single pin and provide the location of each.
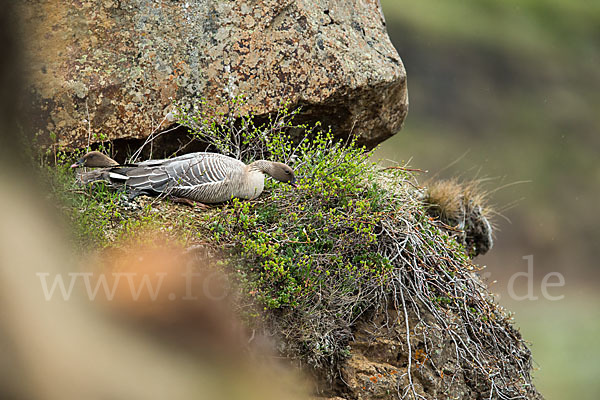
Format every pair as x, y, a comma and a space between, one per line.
106, 175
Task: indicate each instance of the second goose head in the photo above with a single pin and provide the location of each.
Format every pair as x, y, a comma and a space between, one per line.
95, 159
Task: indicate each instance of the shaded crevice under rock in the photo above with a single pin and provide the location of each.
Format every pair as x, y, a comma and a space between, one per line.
334, 112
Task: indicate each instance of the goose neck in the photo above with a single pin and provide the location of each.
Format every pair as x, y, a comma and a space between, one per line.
263, 166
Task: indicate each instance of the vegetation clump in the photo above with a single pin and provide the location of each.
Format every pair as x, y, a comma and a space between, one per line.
351, 239
460, 209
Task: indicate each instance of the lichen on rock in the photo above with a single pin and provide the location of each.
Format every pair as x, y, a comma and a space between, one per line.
114, 68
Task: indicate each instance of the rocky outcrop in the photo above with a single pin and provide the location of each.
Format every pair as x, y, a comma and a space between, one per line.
378, 365
108, 69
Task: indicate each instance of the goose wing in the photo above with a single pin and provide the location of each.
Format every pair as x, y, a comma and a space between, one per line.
196, 176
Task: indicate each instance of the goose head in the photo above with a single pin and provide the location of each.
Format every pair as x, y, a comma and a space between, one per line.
95, 159
283, 173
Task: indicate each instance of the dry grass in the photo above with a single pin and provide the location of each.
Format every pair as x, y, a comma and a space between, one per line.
461, 208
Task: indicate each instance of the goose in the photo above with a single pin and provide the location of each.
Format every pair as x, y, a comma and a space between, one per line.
202, 177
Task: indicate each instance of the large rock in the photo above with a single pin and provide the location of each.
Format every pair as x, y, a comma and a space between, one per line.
108, 69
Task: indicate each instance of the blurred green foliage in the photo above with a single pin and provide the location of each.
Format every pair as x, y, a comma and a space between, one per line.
514, 85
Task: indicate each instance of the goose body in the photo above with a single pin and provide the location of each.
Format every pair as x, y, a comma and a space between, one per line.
203, 177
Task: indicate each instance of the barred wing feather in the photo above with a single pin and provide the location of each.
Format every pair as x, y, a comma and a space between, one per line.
197, 176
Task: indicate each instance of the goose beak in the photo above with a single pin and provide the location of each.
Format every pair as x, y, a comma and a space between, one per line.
79, 163
293, 183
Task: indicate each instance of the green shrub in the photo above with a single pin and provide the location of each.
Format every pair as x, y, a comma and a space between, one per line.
351, 238
314, 259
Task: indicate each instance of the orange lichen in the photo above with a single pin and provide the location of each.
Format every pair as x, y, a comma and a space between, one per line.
420, 357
